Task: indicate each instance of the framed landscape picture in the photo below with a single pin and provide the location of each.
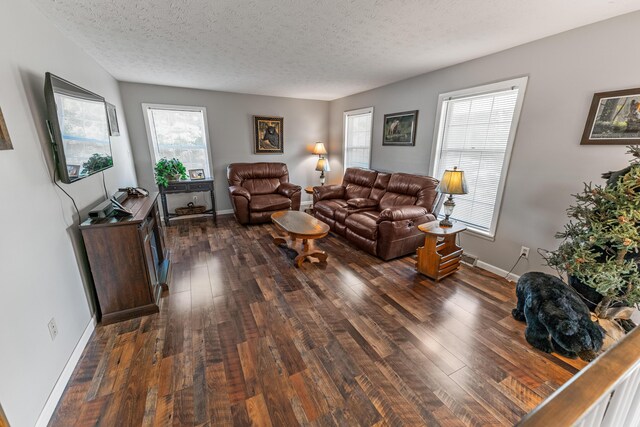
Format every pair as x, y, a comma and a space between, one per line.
269, 135
614, 118
400, 128
5, 140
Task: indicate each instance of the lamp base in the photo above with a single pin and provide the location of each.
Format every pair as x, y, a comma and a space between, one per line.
446, 222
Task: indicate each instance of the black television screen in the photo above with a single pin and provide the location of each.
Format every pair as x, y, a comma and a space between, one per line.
79, 127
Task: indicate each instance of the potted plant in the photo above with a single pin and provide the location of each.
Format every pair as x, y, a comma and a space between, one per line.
600, 244
169, 170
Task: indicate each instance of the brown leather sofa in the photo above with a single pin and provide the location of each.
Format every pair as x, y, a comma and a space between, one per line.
259, 189
379, 212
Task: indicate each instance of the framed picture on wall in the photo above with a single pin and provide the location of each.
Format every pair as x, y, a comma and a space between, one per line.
400, 128
269, 135
5, 140
614, 118
112, 115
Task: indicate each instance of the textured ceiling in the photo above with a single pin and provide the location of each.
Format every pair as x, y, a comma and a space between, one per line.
322, 49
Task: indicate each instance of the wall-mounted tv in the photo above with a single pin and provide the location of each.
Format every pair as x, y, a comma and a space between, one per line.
79, 128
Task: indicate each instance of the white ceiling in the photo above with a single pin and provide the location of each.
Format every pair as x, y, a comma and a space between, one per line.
322, 49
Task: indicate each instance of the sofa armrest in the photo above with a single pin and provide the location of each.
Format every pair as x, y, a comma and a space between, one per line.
399, 213
288, 190
325, 192
236, 190
362, 203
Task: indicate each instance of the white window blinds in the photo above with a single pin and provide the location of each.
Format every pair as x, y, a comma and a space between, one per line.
476, 134
179, 132
357, 138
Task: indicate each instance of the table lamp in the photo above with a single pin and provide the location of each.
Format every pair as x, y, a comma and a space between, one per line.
452, 182
319, 149
322, 166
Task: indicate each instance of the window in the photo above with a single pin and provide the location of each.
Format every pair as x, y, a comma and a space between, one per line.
179, 132
357, 138
475, 133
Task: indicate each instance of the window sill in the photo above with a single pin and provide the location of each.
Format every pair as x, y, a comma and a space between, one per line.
481, 234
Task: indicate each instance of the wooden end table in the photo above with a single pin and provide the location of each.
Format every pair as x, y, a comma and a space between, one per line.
299, 225
440, 256
309, 190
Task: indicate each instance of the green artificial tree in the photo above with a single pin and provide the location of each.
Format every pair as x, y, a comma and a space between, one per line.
600, 243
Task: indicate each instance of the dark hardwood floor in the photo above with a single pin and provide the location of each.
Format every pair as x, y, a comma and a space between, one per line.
244, 338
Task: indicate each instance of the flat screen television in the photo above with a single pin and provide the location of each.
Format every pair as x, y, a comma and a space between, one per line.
79, 129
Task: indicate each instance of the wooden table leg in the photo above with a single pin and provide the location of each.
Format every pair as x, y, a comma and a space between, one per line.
308, 250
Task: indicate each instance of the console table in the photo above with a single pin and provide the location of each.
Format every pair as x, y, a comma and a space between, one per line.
440, 256
129, 260
187, 186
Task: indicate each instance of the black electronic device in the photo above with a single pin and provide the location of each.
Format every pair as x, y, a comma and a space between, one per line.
119, 209
102, 210
79, 129
120, 196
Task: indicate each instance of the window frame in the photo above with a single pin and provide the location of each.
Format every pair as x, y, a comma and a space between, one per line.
346, 115
152, 148
521, 84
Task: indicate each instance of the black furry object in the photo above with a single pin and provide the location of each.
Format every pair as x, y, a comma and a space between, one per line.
557, 319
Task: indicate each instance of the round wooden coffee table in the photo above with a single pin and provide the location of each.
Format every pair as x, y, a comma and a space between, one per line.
300, 226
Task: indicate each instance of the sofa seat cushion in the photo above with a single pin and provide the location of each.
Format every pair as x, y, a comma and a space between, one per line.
269, 202
328, 207
364, 224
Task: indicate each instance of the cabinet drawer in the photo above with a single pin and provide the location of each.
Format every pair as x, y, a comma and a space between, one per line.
199, 186
176, 187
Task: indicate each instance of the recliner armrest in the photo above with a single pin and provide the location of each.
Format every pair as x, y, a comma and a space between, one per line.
399, 213
325, 192
236, 190
288, 190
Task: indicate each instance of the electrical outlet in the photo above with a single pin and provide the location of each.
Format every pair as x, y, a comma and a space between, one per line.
524, 252
53, 328
195, 200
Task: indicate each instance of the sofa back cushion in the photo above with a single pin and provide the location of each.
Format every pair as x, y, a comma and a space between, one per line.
380, 186
358, 182
258, 178
408, 189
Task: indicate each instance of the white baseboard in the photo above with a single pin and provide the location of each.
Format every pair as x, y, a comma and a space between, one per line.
306, 203
65, 376
224, 212
496, 270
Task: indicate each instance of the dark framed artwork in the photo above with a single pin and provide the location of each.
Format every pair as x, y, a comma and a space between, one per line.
112, 115
400, 128
5, 140
196, 174
614, 118
269, 135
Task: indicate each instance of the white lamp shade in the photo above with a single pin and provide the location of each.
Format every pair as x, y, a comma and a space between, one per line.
453, 182
323, 165
319, 149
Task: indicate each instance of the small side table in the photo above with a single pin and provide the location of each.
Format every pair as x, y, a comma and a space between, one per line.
187, 186
309, 190
440, 256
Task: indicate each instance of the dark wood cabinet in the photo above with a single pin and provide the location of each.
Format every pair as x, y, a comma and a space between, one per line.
129, 261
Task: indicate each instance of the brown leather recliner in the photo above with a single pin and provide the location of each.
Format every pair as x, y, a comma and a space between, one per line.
379, 212
259, 189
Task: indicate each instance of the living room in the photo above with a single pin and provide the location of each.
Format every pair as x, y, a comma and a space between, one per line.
242, 334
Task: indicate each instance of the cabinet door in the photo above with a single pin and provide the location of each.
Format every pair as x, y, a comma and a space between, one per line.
148, 246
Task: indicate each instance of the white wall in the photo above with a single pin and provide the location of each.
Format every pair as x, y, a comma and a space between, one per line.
548, 164
230, 120
42, 268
